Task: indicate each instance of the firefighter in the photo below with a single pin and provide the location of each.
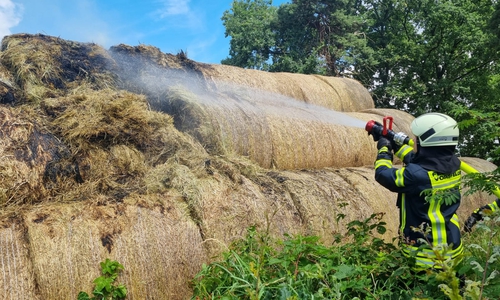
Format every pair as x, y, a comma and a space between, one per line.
430, 170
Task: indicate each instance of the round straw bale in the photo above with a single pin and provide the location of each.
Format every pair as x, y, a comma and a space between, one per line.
340, 94
223, 125
326, 202
272, 130
374, 196
161, 250
265, 81
17, 280
346, 94
307, 144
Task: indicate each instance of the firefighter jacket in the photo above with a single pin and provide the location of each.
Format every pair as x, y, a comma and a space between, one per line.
423, 177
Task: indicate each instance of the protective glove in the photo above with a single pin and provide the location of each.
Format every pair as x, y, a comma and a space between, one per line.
382, 153
383, 142
471, 221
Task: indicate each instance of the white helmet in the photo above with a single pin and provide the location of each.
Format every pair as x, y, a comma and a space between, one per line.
435, 129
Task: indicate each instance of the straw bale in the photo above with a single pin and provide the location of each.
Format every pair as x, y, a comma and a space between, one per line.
46, 66
228, 209
16, 279
340, 94
320, 196
308, 202
336, 93
266, 81
272, 130
301, 144
223, 126
159, 247
371, 194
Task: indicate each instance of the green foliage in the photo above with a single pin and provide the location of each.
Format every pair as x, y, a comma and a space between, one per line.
447, 196
105, 287
482, 260
480, 127
304, 36
358, 265
482, 182
249, 23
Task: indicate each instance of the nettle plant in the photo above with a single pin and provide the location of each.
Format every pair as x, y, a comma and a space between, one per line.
105, 287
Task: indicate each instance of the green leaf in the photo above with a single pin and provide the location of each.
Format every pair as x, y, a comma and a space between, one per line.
83, 296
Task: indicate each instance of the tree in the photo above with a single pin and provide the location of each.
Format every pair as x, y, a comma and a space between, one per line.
305, 36
252, 35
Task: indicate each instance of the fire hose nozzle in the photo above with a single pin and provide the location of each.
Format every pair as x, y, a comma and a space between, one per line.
377, 129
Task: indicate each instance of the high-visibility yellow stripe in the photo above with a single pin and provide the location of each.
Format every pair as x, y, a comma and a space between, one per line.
403, 213
438, 225
494, 206
403, 151
383, 162
426, 258
444, 181
440, 182
400, 179
454, 220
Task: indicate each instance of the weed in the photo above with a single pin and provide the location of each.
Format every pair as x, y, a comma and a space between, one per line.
357, 266
105, 287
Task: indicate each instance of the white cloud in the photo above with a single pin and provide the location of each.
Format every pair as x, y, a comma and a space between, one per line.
10, 16
174, 8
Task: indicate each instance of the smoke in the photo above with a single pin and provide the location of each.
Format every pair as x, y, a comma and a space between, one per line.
10, 16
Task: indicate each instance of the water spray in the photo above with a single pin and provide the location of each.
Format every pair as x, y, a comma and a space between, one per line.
385, 130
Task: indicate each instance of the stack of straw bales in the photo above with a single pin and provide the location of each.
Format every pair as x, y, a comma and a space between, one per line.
89, 171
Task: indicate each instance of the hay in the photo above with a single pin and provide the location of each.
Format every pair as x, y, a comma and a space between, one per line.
25, 150
340, 94
313, 145
160, 249
16, 279
46, 66
272, 130
223, 126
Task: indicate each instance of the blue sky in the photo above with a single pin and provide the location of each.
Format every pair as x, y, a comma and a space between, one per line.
193, 26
